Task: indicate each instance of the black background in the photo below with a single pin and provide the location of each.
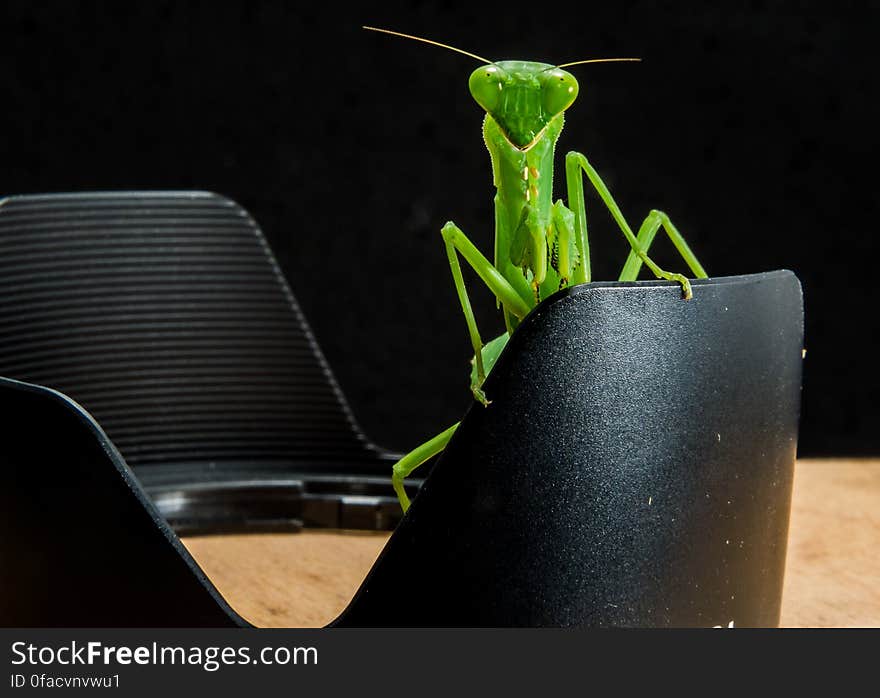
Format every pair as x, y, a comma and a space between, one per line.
754, 127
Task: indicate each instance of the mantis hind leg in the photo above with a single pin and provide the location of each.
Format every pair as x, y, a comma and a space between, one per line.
652, 224
575, 163
457, 243
412, 460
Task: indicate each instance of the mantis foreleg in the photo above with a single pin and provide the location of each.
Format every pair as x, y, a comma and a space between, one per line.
415, 458
457, 243
575, 163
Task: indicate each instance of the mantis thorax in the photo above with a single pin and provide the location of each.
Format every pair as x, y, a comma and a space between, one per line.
524, 103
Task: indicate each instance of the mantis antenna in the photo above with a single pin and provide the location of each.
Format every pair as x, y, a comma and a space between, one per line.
428, 41
486, 60
599, 60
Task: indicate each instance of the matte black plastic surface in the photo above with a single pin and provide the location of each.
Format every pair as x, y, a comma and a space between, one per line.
166, 316
80, 543
633, 469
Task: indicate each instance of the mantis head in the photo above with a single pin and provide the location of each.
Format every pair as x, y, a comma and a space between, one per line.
522, 96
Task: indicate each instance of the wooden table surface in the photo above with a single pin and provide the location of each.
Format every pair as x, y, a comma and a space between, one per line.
832, 574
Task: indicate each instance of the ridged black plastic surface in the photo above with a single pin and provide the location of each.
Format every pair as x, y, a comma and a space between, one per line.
166, 316
634, 468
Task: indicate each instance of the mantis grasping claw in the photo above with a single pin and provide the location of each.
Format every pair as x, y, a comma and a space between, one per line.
540, 245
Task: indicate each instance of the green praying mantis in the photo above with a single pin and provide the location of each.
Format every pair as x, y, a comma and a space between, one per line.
541, 245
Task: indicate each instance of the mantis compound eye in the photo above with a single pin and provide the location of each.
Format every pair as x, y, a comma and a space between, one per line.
558, 90
486, 84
